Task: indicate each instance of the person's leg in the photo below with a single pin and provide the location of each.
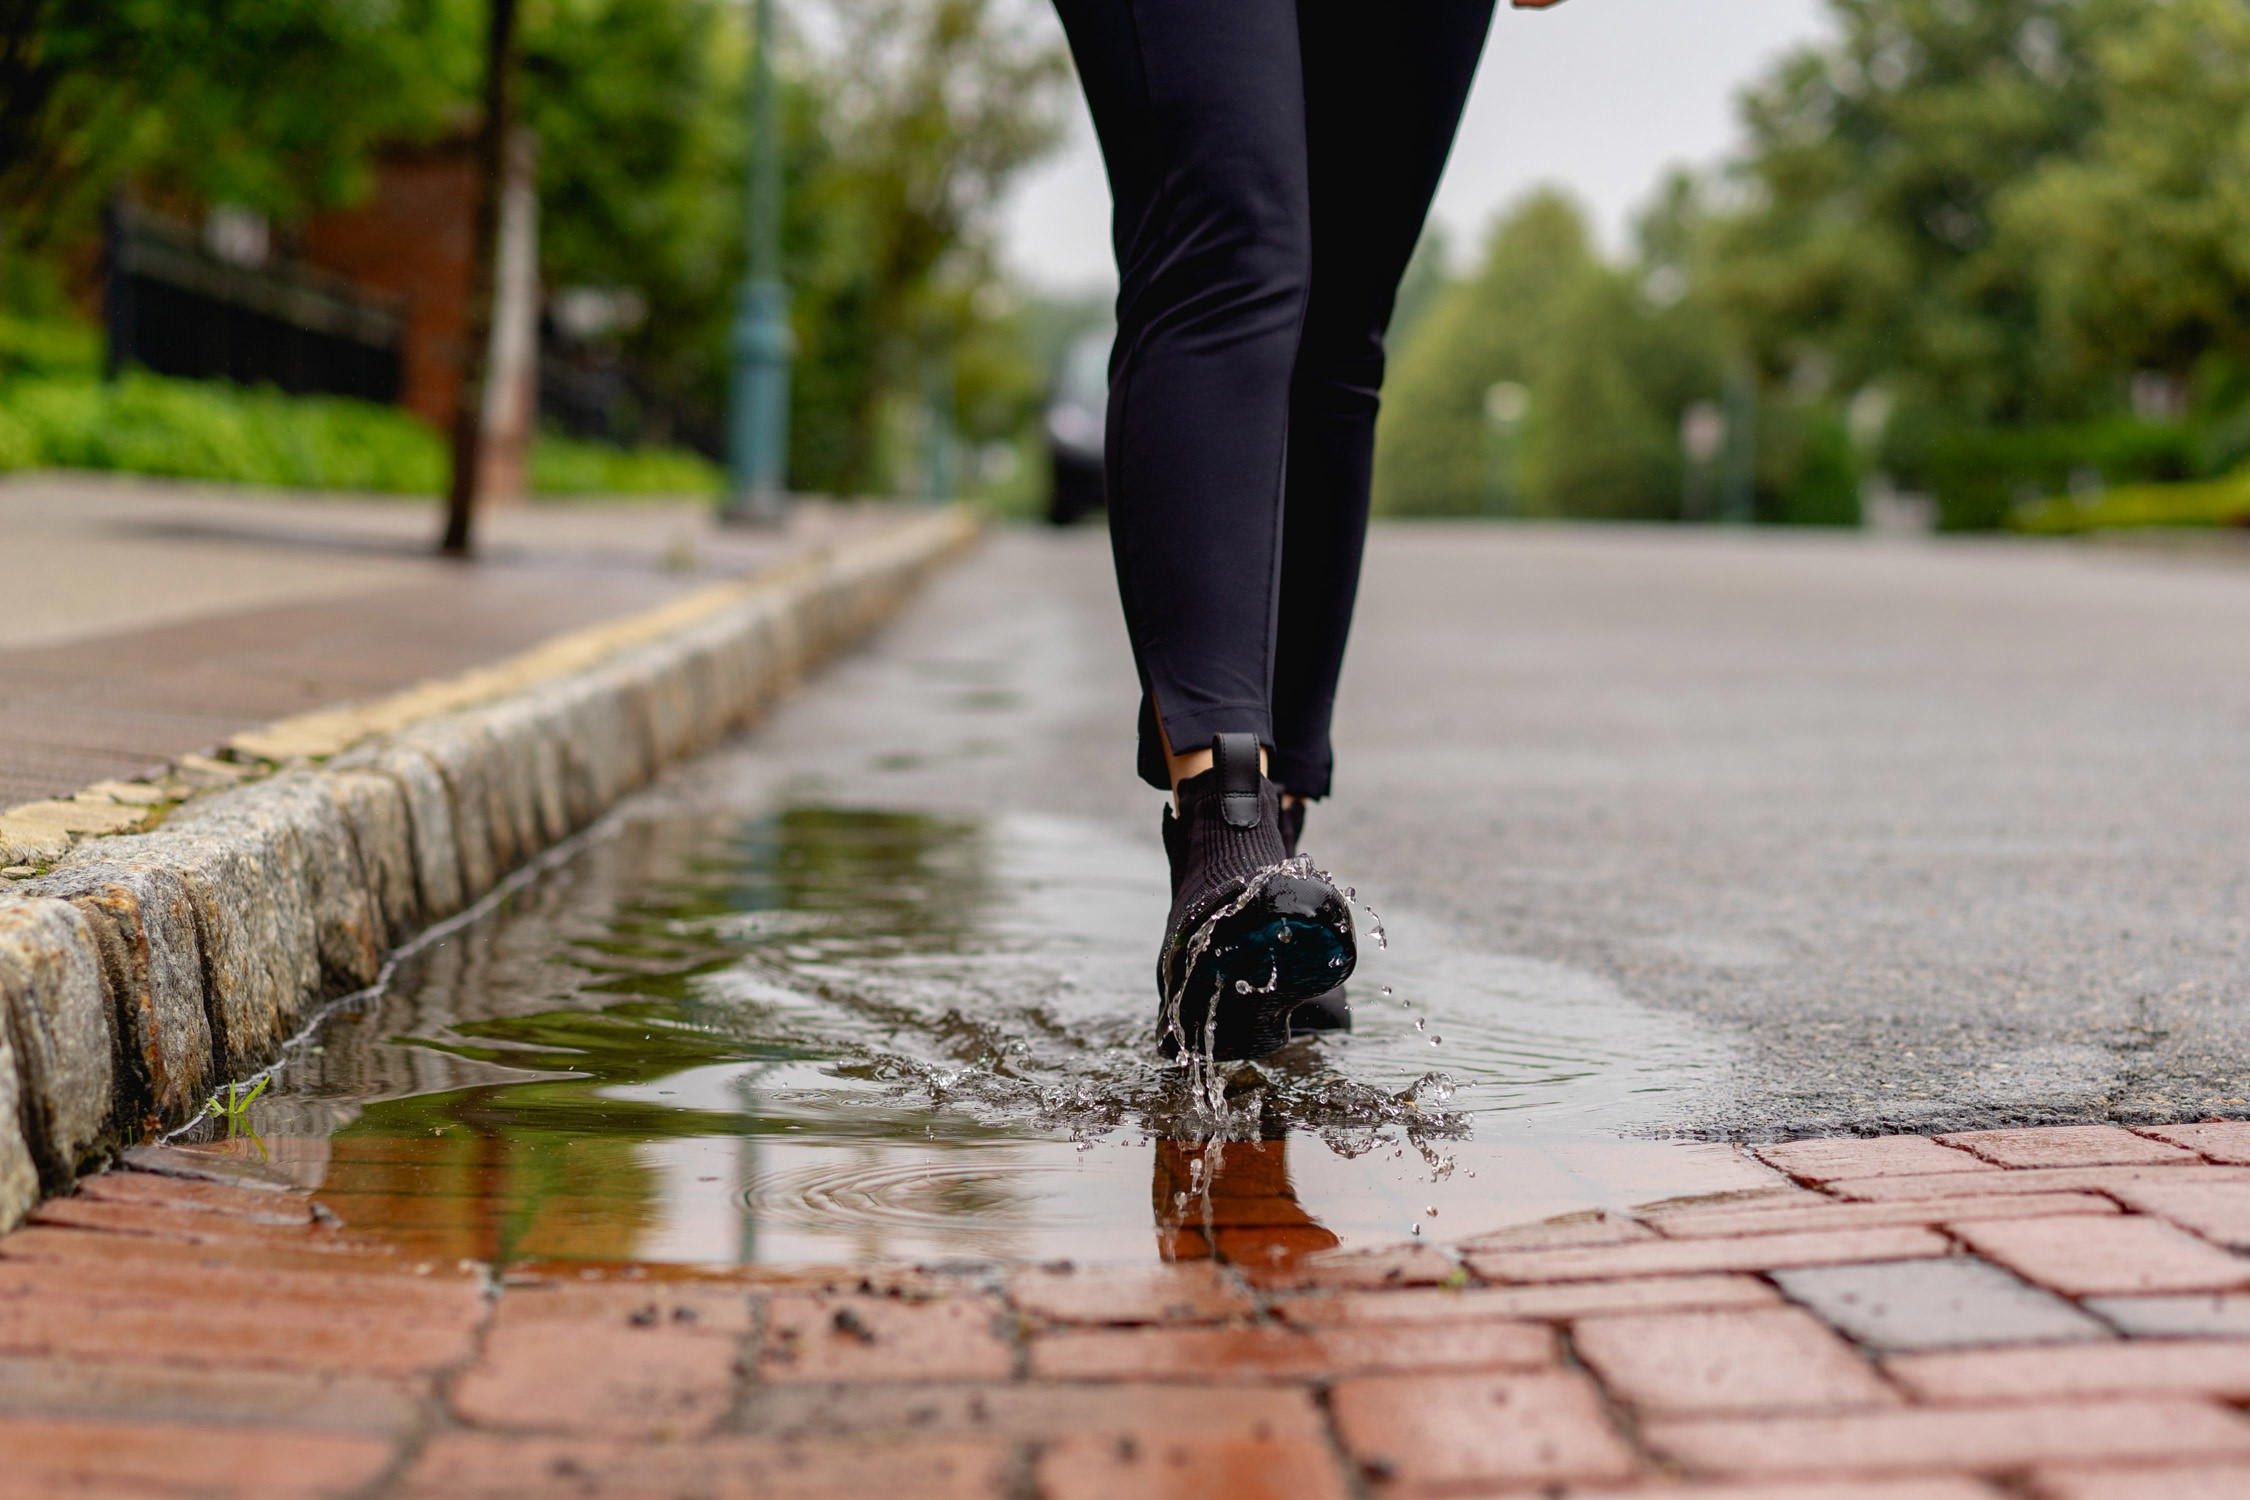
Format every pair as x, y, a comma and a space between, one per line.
1384, 88
1200, 108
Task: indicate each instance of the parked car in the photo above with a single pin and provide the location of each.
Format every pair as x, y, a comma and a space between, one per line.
1077, 411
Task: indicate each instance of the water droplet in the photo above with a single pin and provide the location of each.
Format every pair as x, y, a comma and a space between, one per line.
1421, 1024
1417, 1231
1431, 1211
1385, 992
1437, 1041
1242, 986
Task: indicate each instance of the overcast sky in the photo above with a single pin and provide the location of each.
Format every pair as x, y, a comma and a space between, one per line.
1600, 96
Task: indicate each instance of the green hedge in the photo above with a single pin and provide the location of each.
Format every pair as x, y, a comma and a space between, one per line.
565, 466
2218, 502
182, 429
1982, 475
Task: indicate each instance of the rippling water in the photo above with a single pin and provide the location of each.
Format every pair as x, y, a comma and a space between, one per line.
829, 1033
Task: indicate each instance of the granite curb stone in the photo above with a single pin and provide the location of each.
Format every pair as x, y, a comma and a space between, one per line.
58, 1018
143, 922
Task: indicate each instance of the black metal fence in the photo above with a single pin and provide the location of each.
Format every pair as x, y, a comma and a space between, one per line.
174, 306
591, 393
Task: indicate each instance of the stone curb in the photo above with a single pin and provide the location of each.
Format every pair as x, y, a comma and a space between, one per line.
141, 969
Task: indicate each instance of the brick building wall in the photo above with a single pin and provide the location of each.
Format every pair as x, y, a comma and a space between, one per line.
413, 236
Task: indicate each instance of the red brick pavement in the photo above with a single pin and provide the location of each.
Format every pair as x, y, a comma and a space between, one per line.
165, 1335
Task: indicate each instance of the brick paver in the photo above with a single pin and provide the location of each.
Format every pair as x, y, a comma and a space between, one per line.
608, 1379
1954, 1303
1267, 1351
2039, 1333
2039, 1180
2093, 1257
2218, 1211
1738, 1360
1986, 1439
1831, 1214
2068, 1146
2218, 1315
1547, 1303
1156, 1467
1764, 1252
51, 1456
2177, 1482
1194, 1293
1413, 1433
2218, 1368
469, 1466
2216, 1140
1881, 1156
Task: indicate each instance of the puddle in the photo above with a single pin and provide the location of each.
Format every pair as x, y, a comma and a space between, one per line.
829, 1034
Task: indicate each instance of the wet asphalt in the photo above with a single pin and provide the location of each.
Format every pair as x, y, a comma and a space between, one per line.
1921, 835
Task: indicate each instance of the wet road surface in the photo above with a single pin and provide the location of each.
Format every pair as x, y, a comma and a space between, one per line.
1676, 836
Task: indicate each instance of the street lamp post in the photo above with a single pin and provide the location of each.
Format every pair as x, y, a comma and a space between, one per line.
761, 344
1506, 404
1738, 461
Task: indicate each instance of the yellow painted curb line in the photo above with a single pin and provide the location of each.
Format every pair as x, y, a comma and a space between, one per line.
36, 833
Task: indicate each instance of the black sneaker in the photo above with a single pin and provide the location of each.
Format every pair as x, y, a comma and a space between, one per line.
1250, 927
1332, 1010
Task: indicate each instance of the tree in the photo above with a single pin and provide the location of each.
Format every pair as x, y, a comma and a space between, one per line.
1434, 455
2140, 241
933, 108
1600, 440
1865, 248
275, 105
903, 125
1610, 357
495, 123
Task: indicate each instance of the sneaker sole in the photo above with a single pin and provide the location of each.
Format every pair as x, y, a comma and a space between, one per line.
1262, 964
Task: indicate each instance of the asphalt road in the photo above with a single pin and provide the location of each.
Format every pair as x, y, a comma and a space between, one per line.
1922, 835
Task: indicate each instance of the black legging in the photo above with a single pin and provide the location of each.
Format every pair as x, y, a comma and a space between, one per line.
1272, 162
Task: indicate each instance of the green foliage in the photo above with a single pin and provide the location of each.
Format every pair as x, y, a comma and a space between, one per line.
1608, 368
902, 126
562, 466
272, 104
2014, 223
48, 346
1599, 442
1876, 168
235, 1108
2210, 503
1808, 471
182, 429
2139, 243
1981, 474
186, 430
929, 108
1436, 451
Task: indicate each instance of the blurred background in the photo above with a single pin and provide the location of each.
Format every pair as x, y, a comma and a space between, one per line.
1900, 264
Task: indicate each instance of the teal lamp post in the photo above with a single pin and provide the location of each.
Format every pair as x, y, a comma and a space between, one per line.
760, 343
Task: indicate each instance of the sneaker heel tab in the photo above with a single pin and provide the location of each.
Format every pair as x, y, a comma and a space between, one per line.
1235, 758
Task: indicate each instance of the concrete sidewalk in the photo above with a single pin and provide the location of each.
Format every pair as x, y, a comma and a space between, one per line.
147, 621
2052, 1314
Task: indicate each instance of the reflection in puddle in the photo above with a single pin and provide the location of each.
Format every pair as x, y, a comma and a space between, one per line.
831, 1035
